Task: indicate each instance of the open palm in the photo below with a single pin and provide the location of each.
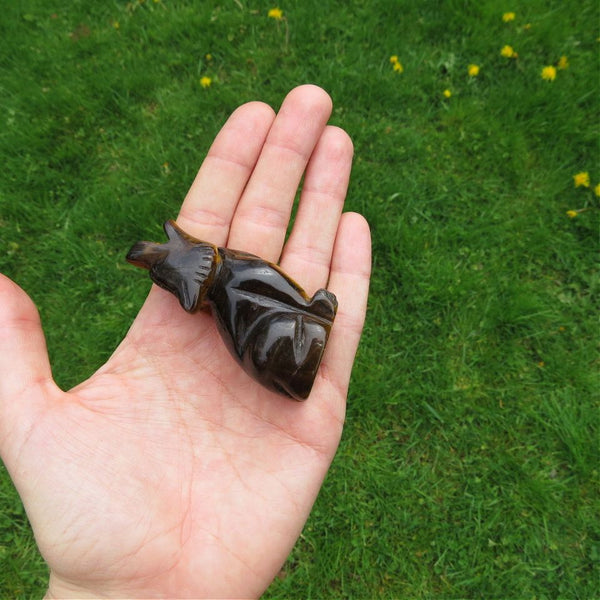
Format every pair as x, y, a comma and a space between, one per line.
170, 473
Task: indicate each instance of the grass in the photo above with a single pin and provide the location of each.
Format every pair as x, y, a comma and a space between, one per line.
469, 462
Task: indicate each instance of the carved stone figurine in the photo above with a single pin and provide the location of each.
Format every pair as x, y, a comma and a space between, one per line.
275, 331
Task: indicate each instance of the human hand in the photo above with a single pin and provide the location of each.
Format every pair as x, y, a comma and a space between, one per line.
169, 473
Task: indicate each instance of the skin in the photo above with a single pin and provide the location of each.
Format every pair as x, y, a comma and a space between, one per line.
169, 473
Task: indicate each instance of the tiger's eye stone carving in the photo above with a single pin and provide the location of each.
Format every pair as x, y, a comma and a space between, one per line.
270, 325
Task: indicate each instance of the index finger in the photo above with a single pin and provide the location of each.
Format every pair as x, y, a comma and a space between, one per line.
209, 205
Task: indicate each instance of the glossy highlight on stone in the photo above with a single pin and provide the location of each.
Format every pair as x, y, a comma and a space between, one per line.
269, 324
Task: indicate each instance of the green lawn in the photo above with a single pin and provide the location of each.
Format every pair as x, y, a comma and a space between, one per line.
469, 465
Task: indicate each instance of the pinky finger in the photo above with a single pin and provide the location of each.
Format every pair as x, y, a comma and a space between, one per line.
349, 281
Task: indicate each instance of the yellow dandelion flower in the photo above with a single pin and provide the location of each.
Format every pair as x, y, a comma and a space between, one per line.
205, 81
275, 13
208, 56
448, 93
563, 62
507, 17
572, 214
549, 73
508, 52
398, 67
473, 70
581, 179
394, 59
597, 190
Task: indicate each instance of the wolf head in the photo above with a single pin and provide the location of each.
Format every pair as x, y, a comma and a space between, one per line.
183, 266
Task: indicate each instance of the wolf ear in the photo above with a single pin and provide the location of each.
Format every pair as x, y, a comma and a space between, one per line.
176, 234
173, 232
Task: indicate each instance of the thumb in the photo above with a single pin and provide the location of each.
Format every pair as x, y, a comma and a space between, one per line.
24, 364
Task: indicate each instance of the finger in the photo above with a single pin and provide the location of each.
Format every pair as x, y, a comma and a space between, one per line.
23, 354
349, 281
210, 203
307, 253
24, 364
261, 218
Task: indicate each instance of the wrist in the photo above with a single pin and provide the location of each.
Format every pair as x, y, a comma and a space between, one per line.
59, 589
